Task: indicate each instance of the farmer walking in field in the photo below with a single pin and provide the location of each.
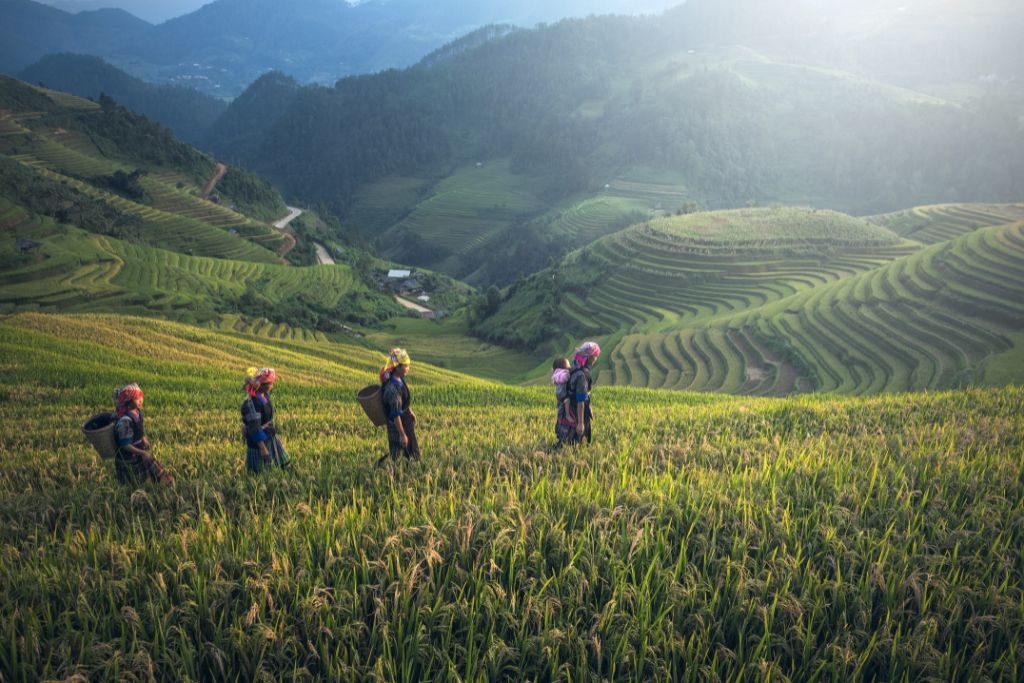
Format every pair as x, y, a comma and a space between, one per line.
264, 448
581, 383
397, 406
133, 462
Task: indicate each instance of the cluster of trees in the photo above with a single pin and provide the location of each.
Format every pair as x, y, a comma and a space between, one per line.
64, 203
123, 183
304, 309
252, 195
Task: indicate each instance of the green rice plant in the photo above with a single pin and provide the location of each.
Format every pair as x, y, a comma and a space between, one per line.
701, 537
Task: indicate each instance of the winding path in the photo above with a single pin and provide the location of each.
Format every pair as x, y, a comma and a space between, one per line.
218, 173
293, 213
323, 257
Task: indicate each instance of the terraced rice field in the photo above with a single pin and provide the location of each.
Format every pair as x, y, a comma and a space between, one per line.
595, 217
469, 207
934, 224
180, 233
777, 302
265, 328
932, 320
171, 218
377, 206
67, 100
659, 276
9, 125
656, 194
77, 271
699, 538
46, 151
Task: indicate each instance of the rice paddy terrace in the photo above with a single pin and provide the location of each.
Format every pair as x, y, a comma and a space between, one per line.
170, 214
931, 320
448, 220
939, 223
75, 271
464, 210
780, 301
700, 537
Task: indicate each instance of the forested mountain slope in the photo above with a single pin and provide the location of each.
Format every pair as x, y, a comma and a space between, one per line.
185, 111
502, 139
224, 45
63, 156
30, 31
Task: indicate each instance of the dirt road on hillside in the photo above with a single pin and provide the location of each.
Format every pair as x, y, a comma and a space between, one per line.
211, 184
293, 213
289, 244
411, 306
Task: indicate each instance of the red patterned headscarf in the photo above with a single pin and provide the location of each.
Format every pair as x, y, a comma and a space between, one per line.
587, 350
256, 377
124, 396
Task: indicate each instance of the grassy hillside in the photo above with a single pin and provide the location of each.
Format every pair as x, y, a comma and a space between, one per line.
700, 537
73, 270
85, 147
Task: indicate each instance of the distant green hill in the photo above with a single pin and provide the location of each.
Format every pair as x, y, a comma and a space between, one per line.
779, 301
185, 111
59, 153
75, 271
101, 211
30, 31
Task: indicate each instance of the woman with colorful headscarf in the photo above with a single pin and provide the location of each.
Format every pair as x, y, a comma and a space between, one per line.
397, 407
263, 447
133, 462
581, 383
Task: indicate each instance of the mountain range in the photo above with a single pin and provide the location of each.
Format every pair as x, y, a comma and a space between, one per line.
475, 160
224, 46
148, 10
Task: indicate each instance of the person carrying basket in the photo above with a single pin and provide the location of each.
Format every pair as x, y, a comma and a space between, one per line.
401, 420
133, 462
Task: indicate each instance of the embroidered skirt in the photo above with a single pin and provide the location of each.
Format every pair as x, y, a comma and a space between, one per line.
254, 461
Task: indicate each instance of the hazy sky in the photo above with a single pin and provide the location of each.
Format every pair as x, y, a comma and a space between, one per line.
156, 11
